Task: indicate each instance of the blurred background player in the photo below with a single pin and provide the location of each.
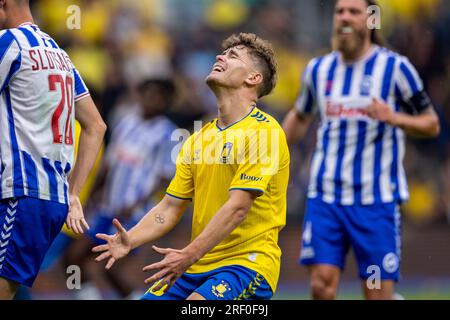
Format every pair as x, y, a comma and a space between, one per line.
42, 94
236, 171
137, 167
367, 97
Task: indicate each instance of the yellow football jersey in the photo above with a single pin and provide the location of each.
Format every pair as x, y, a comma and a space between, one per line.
253, 155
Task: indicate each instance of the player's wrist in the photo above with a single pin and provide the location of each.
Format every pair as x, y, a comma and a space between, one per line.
395, 120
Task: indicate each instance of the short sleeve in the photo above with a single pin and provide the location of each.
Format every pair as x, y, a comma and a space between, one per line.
182, 185
265, 155
81, 90
10, 58
408, 82
305, 102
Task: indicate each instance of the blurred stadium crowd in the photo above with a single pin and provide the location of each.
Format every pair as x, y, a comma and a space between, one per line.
122, 42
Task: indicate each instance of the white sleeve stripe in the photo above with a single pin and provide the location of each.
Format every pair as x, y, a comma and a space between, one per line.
84, 95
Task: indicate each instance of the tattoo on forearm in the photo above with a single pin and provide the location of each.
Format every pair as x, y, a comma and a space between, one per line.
160, 219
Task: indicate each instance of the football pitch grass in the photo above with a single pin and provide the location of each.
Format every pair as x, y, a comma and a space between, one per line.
417, 289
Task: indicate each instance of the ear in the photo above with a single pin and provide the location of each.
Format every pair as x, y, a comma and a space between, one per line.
254, 79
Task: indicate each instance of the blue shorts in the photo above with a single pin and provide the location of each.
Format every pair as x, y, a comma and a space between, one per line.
56, 250
372, 231
28, 228
226, 283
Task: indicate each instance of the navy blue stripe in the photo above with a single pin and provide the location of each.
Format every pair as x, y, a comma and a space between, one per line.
315, 72
80, 88
32, 40
387, 78
31, 174
368, 70
330, 78
357, 164
377, 164
53, 182
309, 103
248, 189
410, 78
321, 172
5, 43
59, 169
340, 161
169, 194
53, 43
17, 166
394, 165
348, 81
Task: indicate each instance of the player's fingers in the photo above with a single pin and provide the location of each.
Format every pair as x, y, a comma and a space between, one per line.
170, 284
156, 276
103, 236
160, 250
74, 226
69, 225
154, 266
100, 248
103, 256
118, 226
164, 283
110, 263
85, 224
80, 229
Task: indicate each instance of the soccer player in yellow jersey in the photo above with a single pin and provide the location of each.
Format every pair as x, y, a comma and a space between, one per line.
236, 171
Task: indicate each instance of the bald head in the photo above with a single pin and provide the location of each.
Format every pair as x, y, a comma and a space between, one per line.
14, 12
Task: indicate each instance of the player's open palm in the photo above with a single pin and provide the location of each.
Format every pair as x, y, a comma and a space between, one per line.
117, 246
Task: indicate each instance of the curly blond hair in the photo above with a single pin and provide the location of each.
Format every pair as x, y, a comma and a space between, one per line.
262, 52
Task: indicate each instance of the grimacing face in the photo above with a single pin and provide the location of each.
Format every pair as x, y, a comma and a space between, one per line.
232, 68
350, 25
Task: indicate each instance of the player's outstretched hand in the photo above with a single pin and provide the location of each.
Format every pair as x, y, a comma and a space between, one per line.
75, 219
117, 246
174, 264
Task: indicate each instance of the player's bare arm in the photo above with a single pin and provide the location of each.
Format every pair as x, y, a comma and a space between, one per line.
176, 262
92, 132
155, 224
295, 126
424, 124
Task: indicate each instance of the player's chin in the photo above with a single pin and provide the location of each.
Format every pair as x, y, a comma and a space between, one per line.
212, 79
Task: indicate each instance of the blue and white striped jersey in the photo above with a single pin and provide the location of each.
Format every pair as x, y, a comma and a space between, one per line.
358, 160
138, 156
39, 87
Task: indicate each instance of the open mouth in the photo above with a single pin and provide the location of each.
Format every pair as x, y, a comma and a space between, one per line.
346, 30
218, 68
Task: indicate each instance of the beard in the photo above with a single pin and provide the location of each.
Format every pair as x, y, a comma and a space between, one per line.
349, 46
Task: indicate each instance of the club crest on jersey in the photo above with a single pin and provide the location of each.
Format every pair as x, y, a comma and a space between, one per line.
366, 85
226, 152
220, 290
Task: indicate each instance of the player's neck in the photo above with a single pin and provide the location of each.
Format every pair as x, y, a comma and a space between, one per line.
233, 108
19, 17
349, 57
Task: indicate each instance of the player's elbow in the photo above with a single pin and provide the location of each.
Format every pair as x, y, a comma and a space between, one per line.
239, 214
435, 127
